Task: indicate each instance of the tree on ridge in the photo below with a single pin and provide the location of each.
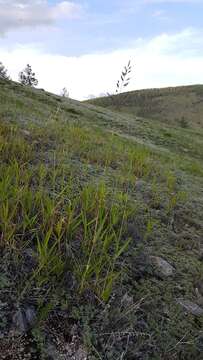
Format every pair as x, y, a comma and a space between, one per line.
3, 72
27, 77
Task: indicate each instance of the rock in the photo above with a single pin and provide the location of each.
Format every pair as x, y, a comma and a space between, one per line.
162, 267
190, 307
24, 319
19, 321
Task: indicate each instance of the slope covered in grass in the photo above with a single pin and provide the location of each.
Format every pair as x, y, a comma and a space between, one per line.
101, 222
178, 106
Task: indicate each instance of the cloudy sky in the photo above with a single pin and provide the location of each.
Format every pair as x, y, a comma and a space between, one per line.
83, 44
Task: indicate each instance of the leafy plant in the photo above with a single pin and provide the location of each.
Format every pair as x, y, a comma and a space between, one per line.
102, 226
121, 84
124, 80
82, 231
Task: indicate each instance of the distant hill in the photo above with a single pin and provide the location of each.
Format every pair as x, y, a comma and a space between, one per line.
172, 105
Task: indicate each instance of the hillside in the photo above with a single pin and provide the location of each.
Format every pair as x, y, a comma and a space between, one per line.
101, 228
178, 106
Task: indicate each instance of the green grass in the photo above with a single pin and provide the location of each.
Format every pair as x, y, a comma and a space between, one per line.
50, 217
87, 195
180, 106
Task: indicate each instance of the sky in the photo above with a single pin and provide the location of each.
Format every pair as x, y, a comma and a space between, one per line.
84, 44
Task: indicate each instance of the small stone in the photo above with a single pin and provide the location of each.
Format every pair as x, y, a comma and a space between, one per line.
190, 307
19, 321
23, 319
162, 266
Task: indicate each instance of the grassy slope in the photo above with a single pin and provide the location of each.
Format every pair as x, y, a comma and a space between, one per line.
174, 105
69, 171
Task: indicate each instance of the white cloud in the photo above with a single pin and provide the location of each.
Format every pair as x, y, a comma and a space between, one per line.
165, 60
21, 13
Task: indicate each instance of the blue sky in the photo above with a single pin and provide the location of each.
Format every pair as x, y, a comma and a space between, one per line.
107, 34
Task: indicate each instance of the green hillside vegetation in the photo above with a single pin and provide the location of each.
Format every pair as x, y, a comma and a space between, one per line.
101, 223
178, 106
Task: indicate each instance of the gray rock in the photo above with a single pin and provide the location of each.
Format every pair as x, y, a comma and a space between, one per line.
23, 319
190, 307
162, 267
19, 321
